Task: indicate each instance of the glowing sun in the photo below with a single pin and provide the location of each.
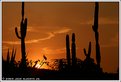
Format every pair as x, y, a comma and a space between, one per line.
37, 66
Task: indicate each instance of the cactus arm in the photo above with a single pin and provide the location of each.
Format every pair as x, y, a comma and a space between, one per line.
16, 31
25, 23
89, 50
93, 28
85, 52
21, 28
25, 27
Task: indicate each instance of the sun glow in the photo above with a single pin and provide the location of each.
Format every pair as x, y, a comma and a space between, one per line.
37, 66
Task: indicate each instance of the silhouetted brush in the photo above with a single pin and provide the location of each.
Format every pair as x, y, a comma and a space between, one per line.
30, 63
42, 62
12, 54
8, 57
23, 30
89, 51
35, 63
95, 29
44, 57
13, 57
68, 50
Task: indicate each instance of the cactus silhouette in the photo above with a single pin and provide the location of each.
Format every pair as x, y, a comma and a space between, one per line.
89, 51
95, 29
23, 29
68, 50
73, 51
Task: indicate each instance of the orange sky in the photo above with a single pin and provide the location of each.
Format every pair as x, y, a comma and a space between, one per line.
48, 24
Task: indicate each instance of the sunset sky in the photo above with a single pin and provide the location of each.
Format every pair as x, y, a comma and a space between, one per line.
48, 24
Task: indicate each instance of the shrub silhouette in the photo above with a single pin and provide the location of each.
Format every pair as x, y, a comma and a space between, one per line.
9, 65
8, 57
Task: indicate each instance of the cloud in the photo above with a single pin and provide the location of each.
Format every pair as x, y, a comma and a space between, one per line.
102, 20
5, 47
32, 29
11, 42
63, 30
29, 29
38, 28
48, 50
50, 35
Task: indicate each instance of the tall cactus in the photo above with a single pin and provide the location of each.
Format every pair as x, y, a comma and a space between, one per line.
95, 29
68, 50
73, 51
23, 29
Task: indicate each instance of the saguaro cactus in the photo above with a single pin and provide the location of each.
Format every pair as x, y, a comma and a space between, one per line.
89, 51
73, 51
95, 29
23, 29
68, 50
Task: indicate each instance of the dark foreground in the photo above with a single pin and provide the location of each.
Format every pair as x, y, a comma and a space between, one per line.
45, 74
